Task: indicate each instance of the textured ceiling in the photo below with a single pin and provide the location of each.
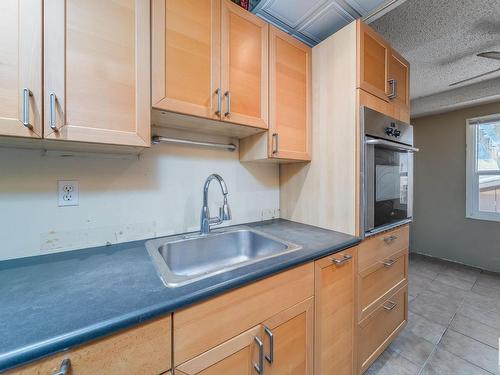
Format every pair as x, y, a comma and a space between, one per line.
440, 39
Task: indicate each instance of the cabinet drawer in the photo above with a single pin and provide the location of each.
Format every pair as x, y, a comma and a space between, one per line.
144, 350
378, 330
377, 248
376, 283
210, 323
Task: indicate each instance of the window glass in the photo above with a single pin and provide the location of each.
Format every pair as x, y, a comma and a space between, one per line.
488, 146
489, 193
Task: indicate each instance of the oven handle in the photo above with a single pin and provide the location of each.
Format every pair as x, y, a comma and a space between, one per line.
392, 145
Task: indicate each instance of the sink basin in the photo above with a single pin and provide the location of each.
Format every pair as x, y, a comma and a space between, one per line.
185, 259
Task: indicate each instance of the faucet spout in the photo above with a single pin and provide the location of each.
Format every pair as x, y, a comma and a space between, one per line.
224, 212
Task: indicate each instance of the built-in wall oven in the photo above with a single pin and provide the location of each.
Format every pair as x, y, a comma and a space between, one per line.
387, 172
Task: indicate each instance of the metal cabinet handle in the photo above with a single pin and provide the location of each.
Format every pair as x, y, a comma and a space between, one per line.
270, 357
390, 239
391, 306
389, 263
219, 99
26, 107
227, 94
260, 366
64, 368
345, 259
276, 143
393, 94
52, 100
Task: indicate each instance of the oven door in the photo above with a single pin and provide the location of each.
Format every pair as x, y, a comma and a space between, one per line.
388, 183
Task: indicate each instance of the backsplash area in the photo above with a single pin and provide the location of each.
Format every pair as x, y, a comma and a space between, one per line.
122, 198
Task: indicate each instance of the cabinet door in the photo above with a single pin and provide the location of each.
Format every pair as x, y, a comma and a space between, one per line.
288, 340
399, 80
244, 72
97, 71
186, 56
238, 355
21, 68
373, 62
290, 97
334, 332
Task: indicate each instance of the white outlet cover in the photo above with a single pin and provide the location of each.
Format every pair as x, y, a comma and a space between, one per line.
67, 193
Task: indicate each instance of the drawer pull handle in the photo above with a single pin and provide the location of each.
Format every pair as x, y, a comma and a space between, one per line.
26, 107
345, 259
389, 263
260, 366
65, 367
391, 305
390, 239
276, 143
270, 357
219, 93
227, 94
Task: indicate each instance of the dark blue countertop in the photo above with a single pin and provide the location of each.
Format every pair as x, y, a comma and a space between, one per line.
53, 302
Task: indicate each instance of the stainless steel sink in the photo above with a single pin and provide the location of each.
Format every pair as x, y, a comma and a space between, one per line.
182, 260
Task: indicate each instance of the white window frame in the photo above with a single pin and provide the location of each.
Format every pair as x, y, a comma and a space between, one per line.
472, 174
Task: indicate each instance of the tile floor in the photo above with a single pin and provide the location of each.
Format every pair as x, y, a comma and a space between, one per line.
453, 323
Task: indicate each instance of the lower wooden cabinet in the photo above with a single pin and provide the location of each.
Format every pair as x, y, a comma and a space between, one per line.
288, 341
377, 331
238, 355
280, 345
143, 350
382, 301
334, 330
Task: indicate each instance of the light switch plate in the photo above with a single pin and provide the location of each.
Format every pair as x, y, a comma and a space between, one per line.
67, 192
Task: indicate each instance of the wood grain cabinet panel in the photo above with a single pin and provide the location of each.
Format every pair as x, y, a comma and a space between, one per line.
97, 71
290, 97
373, 62
334, 325
399, 82
376, 249
142, 350
21, 68
244, 66
186, 56
383, 278
208, 324
292, 332
289, 136
235, 356
378, 330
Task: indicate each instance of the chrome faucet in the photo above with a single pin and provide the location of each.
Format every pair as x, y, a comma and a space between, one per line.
224, 211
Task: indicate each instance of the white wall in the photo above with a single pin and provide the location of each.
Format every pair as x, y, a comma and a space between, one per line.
122, 199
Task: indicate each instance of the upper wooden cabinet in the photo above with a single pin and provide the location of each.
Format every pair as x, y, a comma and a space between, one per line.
186, 56
373, 62
399, 80
334, 294
289, 136
210, 59
244, 66
383, 72
290, 97
21, 68
97, 71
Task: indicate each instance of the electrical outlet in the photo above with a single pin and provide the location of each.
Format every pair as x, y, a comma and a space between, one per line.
67, 193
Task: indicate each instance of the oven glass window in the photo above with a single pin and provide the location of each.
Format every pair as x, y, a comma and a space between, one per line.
391, 186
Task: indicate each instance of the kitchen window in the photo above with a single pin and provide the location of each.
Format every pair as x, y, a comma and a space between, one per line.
483, 168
